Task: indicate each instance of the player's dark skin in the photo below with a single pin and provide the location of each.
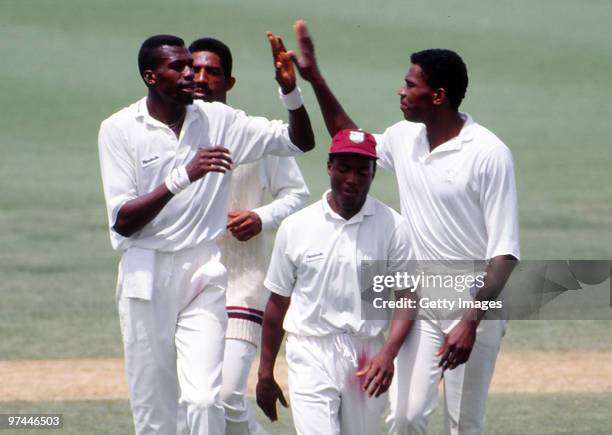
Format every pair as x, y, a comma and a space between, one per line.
350, 177
212, 84
170, 85
419, 103
170, 89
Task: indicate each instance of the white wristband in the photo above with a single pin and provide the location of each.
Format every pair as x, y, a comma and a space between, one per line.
293, 100
177, 180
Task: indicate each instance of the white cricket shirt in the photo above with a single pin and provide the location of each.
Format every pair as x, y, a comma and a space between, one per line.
459, 199
315, 261
246, 262
137, 152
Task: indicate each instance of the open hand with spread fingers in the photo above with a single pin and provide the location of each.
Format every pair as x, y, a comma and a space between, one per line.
283, 63
306, 62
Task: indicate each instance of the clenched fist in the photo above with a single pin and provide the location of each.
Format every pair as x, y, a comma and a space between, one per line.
244, 224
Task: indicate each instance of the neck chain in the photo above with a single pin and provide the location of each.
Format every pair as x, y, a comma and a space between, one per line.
174, 126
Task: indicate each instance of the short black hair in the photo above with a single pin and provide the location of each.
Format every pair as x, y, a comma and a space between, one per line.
219, 48
146, 57
443, 68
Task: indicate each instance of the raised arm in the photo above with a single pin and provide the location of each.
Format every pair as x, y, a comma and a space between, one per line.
333, 113
300, 129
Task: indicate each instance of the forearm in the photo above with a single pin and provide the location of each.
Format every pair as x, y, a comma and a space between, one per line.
272, 214
397, 335
272, 335
401, 324
300, 129
333, 113
497, 273
138, 212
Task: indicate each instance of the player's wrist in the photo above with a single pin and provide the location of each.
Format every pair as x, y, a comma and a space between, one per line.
265, 376
472, 317
292, 100
177, 180
287, 88
391, 349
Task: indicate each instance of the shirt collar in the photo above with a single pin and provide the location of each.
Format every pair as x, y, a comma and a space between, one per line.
142, 113
367, 209
465, 135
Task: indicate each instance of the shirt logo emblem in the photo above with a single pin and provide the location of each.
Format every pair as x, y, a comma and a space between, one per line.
314, 256
147, 162
357, 136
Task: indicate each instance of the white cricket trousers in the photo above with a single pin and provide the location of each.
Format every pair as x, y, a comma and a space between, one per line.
239, 414
324, 391
414, 390
174, 344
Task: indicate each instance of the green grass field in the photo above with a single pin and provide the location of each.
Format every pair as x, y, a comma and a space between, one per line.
508, 414
539, 78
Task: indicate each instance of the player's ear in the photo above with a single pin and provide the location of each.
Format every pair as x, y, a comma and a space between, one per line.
229, 83
439, 96
149, 77
329, 165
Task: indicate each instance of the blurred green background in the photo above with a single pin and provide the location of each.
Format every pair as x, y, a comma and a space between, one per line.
539, 78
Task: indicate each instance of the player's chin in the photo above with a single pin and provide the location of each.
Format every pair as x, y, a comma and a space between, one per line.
185, 98
408, 114
352, 201
201, 95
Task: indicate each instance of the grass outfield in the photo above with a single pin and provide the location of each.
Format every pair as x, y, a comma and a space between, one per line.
71, 63
539, 79
508, 414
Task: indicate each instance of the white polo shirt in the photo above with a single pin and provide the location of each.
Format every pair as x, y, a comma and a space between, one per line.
459, 199
316, 259
137, 152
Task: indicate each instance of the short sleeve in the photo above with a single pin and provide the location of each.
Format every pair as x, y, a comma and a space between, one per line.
281, 276
118, 171
400, 255
250, 138
499, 203
383, 151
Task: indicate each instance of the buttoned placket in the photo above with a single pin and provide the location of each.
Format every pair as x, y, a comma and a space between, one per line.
454, 144
346, 235
179, 151
349, 238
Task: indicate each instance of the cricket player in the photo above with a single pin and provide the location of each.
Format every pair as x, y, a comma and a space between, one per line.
166, 171
243, 247
338, 360
457, 191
